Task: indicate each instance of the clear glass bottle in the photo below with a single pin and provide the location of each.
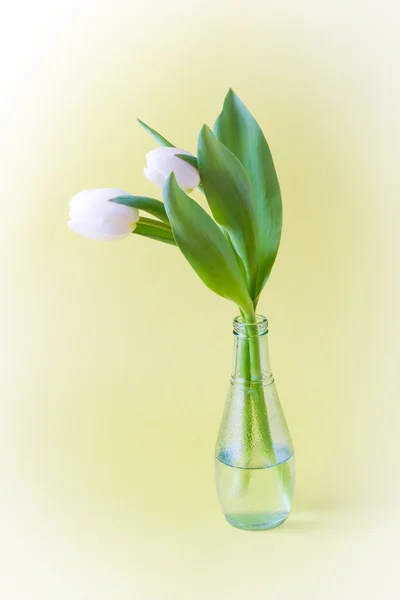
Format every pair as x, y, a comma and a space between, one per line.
254, 457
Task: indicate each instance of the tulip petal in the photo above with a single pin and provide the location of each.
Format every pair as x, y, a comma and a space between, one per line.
164, 161
87, 198
94, 216
155, 176
105, 232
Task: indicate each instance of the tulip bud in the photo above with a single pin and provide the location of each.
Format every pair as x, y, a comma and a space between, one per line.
160, 163
92, 215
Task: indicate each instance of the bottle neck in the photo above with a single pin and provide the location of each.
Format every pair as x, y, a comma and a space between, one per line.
251, 356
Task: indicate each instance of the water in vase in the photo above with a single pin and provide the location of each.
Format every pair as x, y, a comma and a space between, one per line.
256, 498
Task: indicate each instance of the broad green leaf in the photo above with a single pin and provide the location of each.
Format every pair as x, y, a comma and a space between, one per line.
230, 197
237, 129
150, 205
150, 228
204, 246
157, 136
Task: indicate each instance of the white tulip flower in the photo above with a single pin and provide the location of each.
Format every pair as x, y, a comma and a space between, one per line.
92, 215
160, 163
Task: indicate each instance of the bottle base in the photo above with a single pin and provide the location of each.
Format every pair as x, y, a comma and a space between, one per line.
257, 522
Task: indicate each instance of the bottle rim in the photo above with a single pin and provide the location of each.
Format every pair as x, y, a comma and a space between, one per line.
245, 329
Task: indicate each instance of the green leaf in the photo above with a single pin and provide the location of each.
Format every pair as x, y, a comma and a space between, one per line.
150, 228
229, 194
151, 205
157, 136
204, 246
237, 129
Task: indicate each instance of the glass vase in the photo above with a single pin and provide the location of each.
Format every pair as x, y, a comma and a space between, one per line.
254, 457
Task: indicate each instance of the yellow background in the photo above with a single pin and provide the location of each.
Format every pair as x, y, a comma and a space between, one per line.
115, 358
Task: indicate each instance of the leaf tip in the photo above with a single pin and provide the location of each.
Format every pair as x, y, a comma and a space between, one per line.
121, 199
204, 129
169, 184
233, 97
206, 134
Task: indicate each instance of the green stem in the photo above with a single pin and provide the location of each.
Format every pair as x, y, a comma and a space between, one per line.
247, 412
254, 403
255, 419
